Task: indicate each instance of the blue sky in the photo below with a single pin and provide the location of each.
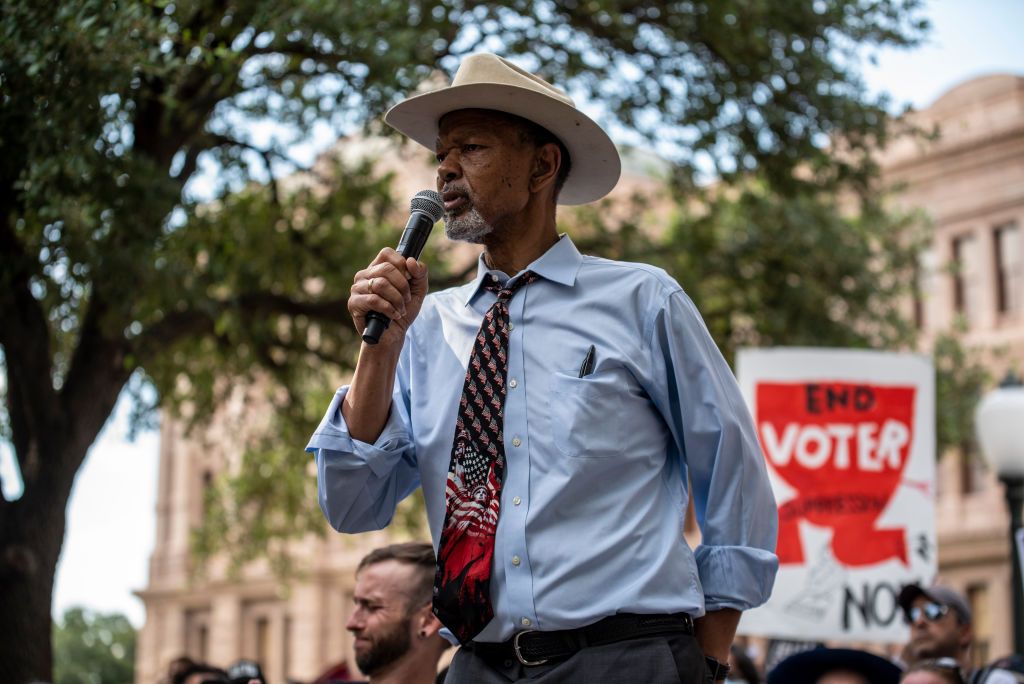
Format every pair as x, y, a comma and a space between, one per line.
969, 38
112, 512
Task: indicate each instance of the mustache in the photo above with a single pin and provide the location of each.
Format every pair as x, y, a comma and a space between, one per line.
450, 192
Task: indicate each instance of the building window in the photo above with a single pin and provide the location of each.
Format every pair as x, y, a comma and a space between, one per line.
263, 636
977, 599
286, 665
199, 498
1009, 269
262, 639
197, 633
972, 470
204, 642
927, 272
965, 277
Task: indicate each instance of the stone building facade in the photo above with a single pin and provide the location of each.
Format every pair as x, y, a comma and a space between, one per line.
970, 182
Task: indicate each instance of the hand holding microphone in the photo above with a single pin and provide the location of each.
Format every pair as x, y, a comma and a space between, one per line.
393, 286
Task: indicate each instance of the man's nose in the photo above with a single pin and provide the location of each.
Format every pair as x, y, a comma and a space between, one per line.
449, 169
355, 621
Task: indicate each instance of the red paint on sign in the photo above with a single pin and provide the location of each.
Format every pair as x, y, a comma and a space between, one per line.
843, 448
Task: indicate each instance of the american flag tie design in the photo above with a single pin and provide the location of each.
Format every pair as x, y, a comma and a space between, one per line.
462, 597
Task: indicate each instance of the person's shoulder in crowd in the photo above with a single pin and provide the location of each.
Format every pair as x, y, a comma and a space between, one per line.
1006, 670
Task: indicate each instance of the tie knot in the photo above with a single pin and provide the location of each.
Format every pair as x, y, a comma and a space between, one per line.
506, 291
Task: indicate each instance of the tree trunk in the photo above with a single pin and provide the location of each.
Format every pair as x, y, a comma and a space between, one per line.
51, 437
31, 537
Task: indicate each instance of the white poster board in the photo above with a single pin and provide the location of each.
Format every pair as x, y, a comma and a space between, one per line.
849, 439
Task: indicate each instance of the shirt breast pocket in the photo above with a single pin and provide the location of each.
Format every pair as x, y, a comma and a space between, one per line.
586, 413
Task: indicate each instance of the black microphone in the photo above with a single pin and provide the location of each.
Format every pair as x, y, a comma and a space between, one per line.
427, 209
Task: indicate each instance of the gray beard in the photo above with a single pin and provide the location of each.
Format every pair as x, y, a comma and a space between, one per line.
468, 226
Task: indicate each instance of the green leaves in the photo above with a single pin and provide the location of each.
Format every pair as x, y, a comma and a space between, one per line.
960, 380
796, 270
256, 285
112, 106
93, 648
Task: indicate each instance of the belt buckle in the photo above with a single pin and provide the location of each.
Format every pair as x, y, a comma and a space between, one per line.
518, 652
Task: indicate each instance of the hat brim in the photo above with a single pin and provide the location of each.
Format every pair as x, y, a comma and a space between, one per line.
807, 667
909, 594
595, 161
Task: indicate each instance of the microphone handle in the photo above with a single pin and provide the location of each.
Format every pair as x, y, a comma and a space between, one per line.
414, 237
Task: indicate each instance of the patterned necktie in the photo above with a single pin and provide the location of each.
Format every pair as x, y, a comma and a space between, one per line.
462, 596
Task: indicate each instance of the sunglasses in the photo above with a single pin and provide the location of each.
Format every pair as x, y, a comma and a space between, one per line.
931, 611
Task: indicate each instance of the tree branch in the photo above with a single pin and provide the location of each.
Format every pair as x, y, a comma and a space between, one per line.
96, 375
303, 50
205, 16
25, 338
191, 160
193, 322
221, 140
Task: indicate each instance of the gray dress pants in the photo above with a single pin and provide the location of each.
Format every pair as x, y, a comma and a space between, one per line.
673, 658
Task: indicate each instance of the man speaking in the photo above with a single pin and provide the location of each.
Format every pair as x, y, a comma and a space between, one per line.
552, 410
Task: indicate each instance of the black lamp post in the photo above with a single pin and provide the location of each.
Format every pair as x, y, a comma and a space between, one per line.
999, 422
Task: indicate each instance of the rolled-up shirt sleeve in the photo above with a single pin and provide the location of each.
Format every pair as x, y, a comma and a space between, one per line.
717, 443
360, 484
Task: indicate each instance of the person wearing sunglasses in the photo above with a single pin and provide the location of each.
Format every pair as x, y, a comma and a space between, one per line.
941, 625
941, 633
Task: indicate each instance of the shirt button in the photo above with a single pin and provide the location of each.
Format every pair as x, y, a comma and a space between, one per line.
526, 622
516, 501
511, 326
512, 383
515, 560
516, 441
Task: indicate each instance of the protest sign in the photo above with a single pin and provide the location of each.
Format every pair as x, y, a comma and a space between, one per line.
849, 440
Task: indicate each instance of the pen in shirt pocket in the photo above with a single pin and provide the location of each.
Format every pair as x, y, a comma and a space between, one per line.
588, 362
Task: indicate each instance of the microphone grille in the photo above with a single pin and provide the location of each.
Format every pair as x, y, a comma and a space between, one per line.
429, 203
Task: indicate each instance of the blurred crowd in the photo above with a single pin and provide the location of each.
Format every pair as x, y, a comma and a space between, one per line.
184, 670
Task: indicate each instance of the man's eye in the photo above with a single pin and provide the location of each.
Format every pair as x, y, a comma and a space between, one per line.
440, 157
471, 148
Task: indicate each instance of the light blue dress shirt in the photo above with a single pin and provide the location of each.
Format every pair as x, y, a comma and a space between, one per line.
595, 494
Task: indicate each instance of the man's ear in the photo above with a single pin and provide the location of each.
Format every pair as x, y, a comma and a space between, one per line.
966, 635
427, 624
546, 162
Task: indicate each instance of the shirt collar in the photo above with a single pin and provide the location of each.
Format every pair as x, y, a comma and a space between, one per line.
559, 264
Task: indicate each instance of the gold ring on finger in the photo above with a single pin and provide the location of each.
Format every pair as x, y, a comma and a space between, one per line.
370, 285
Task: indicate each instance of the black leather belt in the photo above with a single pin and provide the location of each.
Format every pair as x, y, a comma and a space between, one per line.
536, 648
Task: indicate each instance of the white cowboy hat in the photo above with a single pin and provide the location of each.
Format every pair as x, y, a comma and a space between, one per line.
486, 81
